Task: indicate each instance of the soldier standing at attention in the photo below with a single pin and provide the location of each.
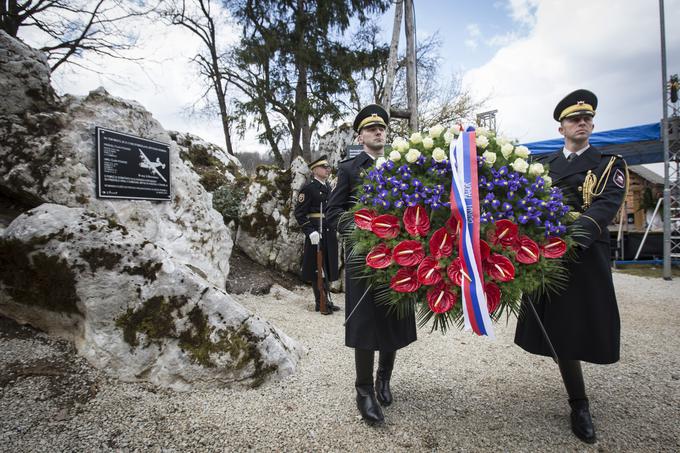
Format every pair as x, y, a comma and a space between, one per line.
582, 321
308, 213
369, 327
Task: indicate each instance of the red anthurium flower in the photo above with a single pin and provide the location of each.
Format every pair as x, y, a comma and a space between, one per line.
363, 218
500, 268
505, 233
408, 253
379, 257
405, 280
441, 299
428, 271
493, 296
441, 243
385, 226
555, 248
416, 221
453, 226
455, 271
526, 250
484, 250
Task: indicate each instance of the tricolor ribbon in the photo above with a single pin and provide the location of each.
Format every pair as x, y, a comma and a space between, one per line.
465, 208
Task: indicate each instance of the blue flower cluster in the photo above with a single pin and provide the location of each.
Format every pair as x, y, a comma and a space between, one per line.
510, 195
395, 186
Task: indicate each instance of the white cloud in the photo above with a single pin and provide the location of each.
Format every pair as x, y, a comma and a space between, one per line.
473, 35
524, 11
610, 47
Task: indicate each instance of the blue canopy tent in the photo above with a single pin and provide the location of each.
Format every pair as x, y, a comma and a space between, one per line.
637, 144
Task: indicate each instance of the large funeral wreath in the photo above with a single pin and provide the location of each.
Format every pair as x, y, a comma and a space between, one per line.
406, 239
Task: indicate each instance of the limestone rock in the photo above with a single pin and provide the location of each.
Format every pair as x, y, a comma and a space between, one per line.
24, 78
268, 232
50, 157
334, 143
130, 306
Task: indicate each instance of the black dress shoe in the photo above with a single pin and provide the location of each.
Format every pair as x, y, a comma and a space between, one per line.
582, 423
368, 406
333, 307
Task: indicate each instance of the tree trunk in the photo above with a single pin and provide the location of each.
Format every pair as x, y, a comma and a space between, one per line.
221, 100
300, 105
269, 134
392, 61
9, 17
306, 139
411, 76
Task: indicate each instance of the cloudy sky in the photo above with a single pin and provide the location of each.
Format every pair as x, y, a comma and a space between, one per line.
523, 55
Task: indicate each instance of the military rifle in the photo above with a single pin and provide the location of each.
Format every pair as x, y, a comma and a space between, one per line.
320, 274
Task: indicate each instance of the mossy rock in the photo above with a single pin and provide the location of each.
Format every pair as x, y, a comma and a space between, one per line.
34, 278
156, 320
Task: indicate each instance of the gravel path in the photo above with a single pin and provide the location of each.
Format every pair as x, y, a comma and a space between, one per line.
452, 393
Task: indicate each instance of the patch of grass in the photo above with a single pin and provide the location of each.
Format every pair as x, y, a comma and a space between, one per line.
647, 270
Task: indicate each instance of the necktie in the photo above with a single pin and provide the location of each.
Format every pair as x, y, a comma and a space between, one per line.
571, 157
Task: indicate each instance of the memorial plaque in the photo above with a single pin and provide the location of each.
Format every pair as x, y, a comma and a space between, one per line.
131, 167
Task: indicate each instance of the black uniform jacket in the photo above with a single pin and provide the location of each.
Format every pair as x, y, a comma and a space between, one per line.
371, 326
582, 321
308, 215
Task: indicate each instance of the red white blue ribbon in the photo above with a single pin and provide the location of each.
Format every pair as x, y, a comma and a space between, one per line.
465, 208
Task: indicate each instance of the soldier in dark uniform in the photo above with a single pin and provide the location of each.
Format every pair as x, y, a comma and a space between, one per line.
582, 321
308, 213
369, 327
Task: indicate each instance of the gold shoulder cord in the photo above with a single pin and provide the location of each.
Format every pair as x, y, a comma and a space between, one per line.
592, 188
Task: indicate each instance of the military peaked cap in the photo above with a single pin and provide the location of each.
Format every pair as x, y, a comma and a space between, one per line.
579, 102
370, 115
321, 161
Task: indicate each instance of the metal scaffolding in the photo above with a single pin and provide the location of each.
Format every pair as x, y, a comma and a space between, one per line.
487, 119
672, 170
670, 129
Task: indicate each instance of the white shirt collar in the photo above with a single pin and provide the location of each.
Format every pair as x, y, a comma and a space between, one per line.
578, 153
322, 182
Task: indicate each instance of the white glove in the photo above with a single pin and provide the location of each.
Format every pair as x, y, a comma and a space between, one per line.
314, 238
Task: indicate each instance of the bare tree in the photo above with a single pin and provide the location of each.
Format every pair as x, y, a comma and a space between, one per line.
441, 99
199, 17
72, 29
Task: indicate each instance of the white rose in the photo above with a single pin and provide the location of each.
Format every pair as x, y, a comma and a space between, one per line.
438, 154
428, 143
412, 155
520, 165
455, 129
506, 150
436, 130
448, 137
395, 156
380, 161
547, 180
400, 144
522, 151
502, 140
489, 157
536, 169
482, 142
416, 138
481, 130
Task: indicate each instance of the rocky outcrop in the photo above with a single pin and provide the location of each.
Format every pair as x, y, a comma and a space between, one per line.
268, 232
24, 78
137, 285
334, 143
131, 308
